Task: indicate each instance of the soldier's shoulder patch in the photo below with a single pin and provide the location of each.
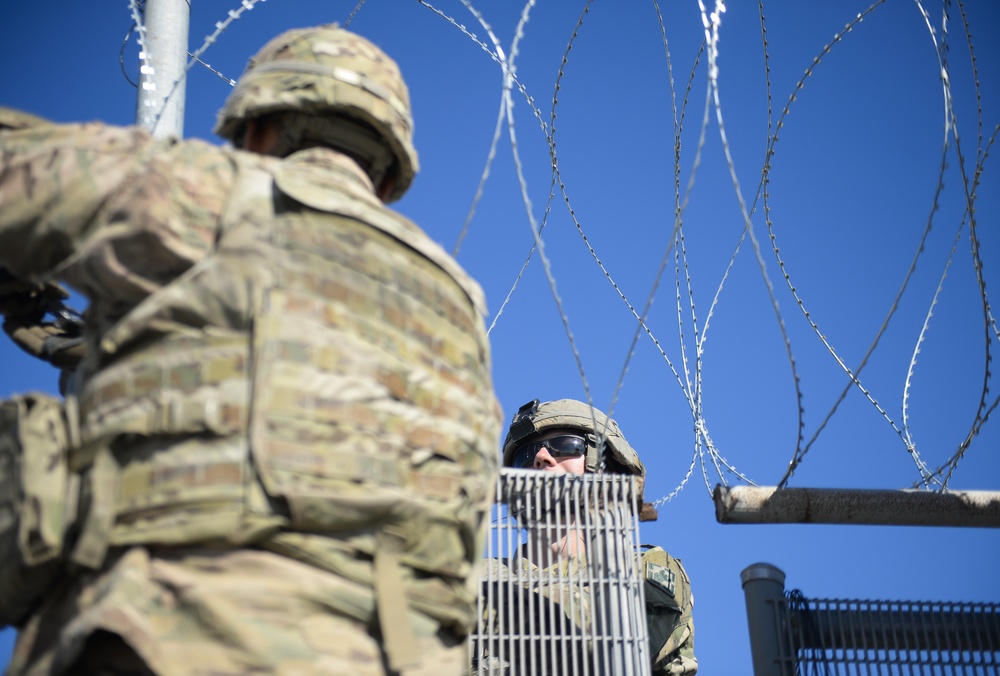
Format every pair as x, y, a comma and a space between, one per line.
662, 577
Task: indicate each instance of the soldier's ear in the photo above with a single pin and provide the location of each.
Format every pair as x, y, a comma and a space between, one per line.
249, 131
384, 190
260, 136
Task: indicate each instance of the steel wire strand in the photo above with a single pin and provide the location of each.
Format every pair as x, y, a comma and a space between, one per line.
689, 389
500, 60
700, 422
509, 71
694, 392
145, 62
526, 200
121, 55
547, 131
763, 194
550, 137
711, 39
353, 13
983, 155
970, 194
572, 213
536, 231
952, 462
801, 451
911, 369
497, 55
579, 227
951, 124
950, 128
576, 221
711, 22
121, 59
195, 57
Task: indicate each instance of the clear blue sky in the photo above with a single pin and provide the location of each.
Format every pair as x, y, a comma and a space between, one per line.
853, 185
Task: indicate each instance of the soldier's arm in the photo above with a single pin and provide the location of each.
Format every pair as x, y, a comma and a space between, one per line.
24, 305
110, 211
54, 180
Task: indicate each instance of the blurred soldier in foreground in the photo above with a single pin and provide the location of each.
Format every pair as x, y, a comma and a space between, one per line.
570, 437
281, 445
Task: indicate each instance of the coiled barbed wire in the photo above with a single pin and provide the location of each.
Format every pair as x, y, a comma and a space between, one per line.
688, 376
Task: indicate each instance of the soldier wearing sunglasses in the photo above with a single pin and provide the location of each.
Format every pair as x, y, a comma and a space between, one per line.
571, 437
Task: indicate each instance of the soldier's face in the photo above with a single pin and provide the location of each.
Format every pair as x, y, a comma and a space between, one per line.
545, 461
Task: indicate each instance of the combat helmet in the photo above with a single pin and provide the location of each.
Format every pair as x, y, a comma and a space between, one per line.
534, 418
328, 71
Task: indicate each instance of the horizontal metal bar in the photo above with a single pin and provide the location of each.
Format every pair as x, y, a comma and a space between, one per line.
768, 504
922, 630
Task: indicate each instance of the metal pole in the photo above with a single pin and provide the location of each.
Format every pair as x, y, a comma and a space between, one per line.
160, 105
767, 504
764, 591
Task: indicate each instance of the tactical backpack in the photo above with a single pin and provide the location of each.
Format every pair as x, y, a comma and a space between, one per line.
667, 588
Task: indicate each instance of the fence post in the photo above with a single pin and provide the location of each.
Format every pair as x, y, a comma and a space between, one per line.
764, 590
160, 104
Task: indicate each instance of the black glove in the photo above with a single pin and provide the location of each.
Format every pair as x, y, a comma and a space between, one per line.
24, 306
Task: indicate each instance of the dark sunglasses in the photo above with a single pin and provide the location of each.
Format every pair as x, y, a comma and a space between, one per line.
564, 446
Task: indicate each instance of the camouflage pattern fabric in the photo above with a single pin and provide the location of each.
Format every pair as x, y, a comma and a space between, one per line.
669, 604
25, 304
34, 512
196, 612
11, 118
330, 71
669, 613
274, 360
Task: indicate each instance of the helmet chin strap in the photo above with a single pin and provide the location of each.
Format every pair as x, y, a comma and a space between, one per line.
596, 453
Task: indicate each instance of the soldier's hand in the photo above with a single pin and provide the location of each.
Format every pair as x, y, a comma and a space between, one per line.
46, 341
19, 298
24, 306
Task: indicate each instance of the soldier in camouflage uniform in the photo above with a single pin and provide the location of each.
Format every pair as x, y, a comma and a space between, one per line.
281, 446
569, 436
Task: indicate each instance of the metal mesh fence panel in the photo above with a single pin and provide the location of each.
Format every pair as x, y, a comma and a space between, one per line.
560, 586
792, 635
835, 636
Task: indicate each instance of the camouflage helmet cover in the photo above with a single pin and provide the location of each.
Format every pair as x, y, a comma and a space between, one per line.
536, 418
326, 70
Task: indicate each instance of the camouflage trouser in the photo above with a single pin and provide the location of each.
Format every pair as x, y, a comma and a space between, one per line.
225, 612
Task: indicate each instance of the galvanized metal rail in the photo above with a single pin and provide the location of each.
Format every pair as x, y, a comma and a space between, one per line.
791, 634
767, 504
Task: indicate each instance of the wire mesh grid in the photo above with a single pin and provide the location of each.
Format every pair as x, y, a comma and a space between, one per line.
560, 587
834, 636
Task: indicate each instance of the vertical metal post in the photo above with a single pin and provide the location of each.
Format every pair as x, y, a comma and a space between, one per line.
764, 589
160, 105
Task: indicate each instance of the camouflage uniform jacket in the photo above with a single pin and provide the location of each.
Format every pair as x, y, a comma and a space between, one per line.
274, 357
667, 588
